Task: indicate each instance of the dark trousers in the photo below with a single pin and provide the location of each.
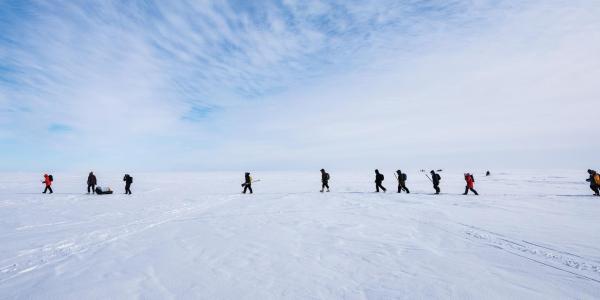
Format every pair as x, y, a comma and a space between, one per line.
128, 188
325, 185
48, 188
248, 186
436, 186
595, 188
467, 189
402, 187
92, 187
379, 186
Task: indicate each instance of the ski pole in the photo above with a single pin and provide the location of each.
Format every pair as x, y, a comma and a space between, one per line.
423, 171
428, 178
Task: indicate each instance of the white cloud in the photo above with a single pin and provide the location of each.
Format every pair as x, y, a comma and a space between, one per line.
301, 84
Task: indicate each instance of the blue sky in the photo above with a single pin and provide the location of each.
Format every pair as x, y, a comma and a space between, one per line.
236, 85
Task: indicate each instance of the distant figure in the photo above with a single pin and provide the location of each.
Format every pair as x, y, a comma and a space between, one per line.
128, 181
435, 178
378, 180
48, 182
247, 183
402, 182
324, 180
91, 182
488, 173
470, 184
594, 181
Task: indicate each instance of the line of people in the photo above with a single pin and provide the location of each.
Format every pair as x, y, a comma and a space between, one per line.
379, 178
92, 181
435, 180
594, 180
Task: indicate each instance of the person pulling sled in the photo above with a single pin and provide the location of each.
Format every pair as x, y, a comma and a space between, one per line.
470, 184
91, 183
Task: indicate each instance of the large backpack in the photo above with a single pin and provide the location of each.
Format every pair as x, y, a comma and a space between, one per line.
130, 179
404, 176
438, 177
327, 176
597, 178
51, 178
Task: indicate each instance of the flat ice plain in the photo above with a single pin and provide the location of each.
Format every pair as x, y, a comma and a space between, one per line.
530, 235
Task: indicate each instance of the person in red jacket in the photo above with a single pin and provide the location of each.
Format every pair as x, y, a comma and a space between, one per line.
48, 182
470, 184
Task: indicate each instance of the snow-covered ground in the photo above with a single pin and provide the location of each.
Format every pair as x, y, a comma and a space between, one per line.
530, 235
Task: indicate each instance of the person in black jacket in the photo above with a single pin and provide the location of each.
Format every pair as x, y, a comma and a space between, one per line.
128, 181
402, 182
247, 183
378, 181
435, 178
91, 183
324, 180
593, 184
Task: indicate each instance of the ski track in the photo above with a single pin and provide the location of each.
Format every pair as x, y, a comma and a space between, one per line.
571, 263
35, 258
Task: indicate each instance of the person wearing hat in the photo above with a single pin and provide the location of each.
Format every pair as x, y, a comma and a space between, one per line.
324, 180
470, 184
247, 183
378, 181
435, 179
402, 182
594, 181
48, 183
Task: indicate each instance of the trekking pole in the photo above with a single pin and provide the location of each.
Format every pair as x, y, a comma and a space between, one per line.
423, 171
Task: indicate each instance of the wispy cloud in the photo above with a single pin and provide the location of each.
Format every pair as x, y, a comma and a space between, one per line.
235, 84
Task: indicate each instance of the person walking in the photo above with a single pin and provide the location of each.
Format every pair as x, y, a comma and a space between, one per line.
48, 182
378, 181
402, 182
594, 181
470, 184
128, 181
435, 179
324, 180
247, 183
91, 183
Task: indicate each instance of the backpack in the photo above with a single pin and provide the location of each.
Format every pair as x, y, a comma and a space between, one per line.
597, 178
404, 177
51, 178
382, 177
438, 177
327, 176
130, 179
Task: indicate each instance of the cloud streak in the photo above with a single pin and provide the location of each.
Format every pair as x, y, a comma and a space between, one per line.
293, 84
